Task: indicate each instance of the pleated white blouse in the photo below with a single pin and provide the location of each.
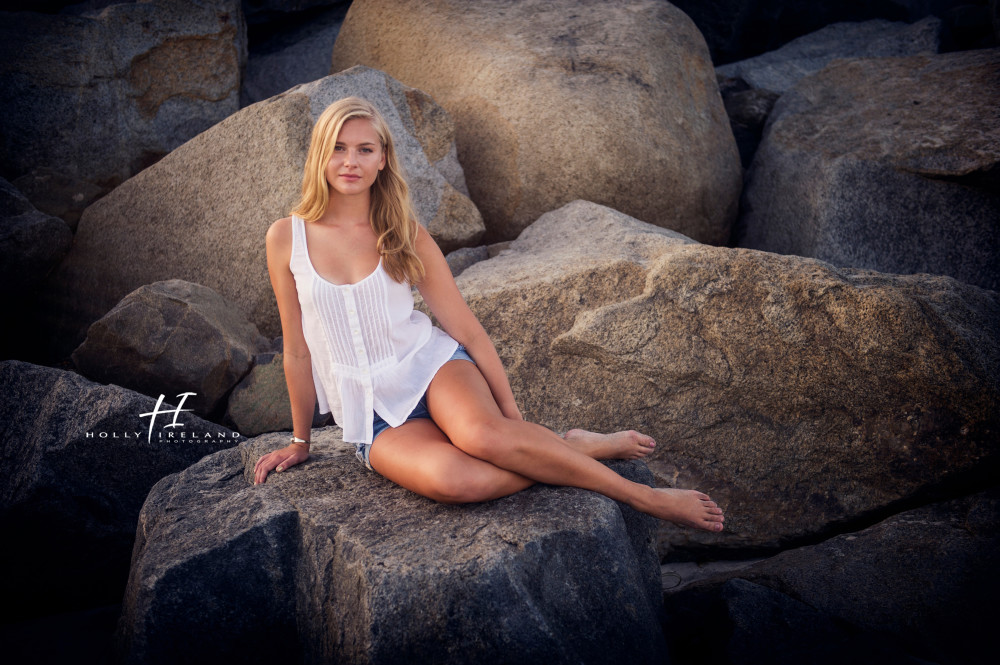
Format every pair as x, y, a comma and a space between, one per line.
371, 351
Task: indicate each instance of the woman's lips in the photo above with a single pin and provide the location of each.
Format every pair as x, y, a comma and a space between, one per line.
350, 176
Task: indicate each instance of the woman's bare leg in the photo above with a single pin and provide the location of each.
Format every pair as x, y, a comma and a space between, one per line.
463, 407
418, 456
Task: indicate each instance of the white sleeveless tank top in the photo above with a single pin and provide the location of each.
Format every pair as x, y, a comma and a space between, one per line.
371, 351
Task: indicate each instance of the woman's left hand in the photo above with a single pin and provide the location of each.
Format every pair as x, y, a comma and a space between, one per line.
280, 460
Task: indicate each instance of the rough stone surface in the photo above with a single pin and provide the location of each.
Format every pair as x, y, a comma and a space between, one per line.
461, 259
172, 337
259, 403
100, 94
797, 394
31, 242
58, 195
885, 163
79, 459
329, 562
917, 580
779, 70
559, 100
201, 213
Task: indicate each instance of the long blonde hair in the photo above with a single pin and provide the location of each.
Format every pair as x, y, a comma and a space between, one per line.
391, 212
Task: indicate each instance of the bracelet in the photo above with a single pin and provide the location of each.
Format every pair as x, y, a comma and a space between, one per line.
296, 439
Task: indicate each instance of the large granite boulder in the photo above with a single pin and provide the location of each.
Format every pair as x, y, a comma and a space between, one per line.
885, 163
560, 100
920, 585
779, 70
201, 213
98, 94
797, 394
79, 459
329, 562
172, 337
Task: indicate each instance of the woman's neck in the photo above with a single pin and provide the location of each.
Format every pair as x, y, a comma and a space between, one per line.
342, 209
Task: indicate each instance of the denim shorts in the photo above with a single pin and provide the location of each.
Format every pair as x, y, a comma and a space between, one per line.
363, 450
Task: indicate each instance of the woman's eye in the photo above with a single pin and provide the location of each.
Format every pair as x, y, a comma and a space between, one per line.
338, 148
366, 150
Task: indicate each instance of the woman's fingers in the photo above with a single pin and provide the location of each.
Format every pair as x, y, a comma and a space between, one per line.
278, 460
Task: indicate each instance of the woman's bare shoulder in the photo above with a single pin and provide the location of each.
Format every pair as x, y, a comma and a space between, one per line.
280, 232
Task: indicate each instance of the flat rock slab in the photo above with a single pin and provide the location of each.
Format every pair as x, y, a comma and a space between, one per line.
330, 562
78, 462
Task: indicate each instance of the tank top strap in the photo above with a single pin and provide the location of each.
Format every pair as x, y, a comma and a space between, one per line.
299, 259
298, 235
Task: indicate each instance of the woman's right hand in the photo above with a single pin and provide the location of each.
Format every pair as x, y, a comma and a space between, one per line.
279, 460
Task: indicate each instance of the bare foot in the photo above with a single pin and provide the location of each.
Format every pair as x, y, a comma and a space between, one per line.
684, 507
628, 444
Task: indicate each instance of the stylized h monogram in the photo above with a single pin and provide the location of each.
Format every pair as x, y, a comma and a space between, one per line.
156, 411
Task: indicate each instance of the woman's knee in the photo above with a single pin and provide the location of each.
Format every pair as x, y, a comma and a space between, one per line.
484, 439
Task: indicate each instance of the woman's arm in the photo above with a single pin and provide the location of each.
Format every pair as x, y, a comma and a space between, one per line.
444, 299
297, 361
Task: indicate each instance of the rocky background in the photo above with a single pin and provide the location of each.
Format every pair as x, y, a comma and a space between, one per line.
763, 231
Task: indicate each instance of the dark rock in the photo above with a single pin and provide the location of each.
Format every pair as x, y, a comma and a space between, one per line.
263, 10
462, 258
329, 562
738, 29
924, 581
285, 53
100, 93
59, 195
889, 164
172, 337
31, 242
79, 459
779, 70
747, 109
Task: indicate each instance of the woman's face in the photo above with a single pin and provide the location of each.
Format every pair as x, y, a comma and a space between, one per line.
357, 158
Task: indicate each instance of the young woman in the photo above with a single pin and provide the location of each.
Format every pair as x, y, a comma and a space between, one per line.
430, 409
